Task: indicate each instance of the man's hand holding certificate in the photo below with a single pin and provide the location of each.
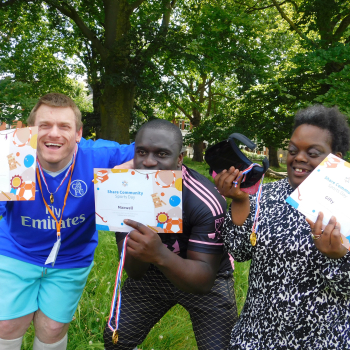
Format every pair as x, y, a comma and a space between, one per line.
17, 164
327, 191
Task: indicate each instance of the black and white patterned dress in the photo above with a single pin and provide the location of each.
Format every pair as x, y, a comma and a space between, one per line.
297, 298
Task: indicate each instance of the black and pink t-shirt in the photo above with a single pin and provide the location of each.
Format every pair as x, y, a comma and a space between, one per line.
203, 213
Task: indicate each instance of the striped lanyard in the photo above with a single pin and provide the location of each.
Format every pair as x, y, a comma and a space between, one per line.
257, 205
64, 178
58, 223
255, 228
245, 172
117, 295
252, 236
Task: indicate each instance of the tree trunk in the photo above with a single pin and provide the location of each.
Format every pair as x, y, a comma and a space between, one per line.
117, 98
198, 151
273, 158
96, 95
116, 104
275, 174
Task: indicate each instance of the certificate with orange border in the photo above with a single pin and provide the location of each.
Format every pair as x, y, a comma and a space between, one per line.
152, 197
17, 164
326, 189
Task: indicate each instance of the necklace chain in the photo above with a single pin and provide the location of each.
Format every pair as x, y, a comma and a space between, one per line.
143, 173
64, 178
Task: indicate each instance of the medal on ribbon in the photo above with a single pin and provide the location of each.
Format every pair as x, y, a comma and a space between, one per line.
55, 249
253, 236
117, 296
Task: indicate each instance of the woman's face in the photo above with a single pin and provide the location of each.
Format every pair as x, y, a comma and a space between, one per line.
308, 146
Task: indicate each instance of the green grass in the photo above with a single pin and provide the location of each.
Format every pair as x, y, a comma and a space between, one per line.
282, 167
202, 168
173, 331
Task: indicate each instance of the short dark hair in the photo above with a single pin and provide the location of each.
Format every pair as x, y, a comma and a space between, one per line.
55, 99
328, 119
162, 124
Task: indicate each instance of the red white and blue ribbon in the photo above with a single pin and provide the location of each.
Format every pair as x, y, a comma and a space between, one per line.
65, 176
245, 172
117, 295
257, 196
257, 206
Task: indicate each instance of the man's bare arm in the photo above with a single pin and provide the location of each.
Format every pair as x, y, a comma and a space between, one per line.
196, 274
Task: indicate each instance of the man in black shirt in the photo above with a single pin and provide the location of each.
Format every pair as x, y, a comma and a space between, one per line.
187, 268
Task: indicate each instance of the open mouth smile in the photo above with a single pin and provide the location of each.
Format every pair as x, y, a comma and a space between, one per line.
301, 171
52, 145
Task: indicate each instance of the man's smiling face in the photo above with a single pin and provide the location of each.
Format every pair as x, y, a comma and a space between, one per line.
157, 149
57, 136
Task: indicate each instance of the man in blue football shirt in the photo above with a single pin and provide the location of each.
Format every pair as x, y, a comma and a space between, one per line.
60, 221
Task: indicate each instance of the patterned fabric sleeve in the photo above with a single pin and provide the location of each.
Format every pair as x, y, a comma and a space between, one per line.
204, 209
236, 238
336, 273
297, 297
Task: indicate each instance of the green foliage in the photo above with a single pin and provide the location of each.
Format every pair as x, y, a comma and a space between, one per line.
227, 66
14, 100
253, 156
18, 98
319, 70
252, 101
35, 59
339, 90
219, 45
241, 275
224, 65
306, 65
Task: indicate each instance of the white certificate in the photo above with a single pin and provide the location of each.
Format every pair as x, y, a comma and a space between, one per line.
152, 197
17, 164
4, 167
326, 189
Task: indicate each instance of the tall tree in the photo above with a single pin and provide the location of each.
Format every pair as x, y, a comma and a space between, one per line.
217, 41
125, 35
32, 61
121, 36
321, 68
315, 68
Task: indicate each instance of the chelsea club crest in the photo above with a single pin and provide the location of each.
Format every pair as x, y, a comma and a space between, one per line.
78, 188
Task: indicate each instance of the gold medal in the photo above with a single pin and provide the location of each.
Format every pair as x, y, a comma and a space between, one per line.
40, 173
115, 337
253, 239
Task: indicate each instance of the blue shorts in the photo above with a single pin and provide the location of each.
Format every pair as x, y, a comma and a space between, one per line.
25, 288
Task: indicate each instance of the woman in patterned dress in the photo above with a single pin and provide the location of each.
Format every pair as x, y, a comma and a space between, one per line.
299, 280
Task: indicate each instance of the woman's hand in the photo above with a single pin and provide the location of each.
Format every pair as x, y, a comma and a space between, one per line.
240, 206
327, 241
225, 185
